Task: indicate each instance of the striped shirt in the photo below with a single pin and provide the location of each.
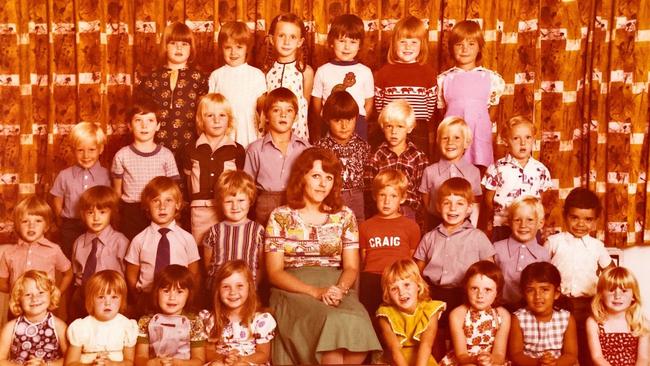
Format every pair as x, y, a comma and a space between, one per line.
137, 168
413, 82
234, 241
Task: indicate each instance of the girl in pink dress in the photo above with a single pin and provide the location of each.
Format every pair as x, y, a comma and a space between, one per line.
467, 90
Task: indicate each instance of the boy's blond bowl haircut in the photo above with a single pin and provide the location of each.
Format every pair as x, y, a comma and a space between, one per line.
397, 110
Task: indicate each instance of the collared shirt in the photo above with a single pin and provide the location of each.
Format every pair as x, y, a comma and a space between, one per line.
512, 257
411, 162
353, 157
203, 165
578, 260
448, 255
510, 180
42, 255
111, 250
71, 182
266, 163
437, 173
137, 168
144, 248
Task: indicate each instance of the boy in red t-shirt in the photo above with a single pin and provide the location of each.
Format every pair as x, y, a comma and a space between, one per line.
386, 237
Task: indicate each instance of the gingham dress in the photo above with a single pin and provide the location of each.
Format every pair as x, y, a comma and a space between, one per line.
540, 337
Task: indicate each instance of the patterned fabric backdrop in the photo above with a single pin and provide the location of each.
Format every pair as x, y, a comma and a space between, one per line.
579, 69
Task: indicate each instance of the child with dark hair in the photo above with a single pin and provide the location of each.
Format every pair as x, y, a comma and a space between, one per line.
541, 334
270, 158
345, 72
136, 164
340, 114
580, 258
172, 334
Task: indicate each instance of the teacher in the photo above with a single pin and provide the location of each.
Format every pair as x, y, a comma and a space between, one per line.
312, 259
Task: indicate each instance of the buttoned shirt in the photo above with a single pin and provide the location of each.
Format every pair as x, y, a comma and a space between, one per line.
510, 180
578, 260
448, 255
437, 173
42, 255
353, 157
266, 163
411, 162
144, 248
71, 182
111, 250
513, 256
203, 165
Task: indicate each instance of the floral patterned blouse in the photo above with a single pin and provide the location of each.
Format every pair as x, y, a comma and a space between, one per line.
238, 336
304, 244
177, 105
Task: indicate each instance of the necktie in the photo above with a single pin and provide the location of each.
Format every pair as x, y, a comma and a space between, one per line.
162, 255
91, 262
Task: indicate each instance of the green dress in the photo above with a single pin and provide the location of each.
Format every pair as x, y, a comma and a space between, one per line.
408, 327
312, 253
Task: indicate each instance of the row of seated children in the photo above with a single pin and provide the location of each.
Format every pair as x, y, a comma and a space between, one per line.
236, 331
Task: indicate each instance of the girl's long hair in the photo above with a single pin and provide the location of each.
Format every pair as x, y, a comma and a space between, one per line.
620, 277
302, 53
250, 306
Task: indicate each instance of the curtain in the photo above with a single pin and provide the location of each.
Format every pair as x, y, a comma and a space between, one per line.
578, 69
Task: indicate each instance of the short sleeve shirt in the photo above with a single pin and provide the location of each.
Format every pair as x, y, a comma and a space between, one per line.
304, 244
437, 173
110, 253
578, 260
111, 336
42, 255
268, 166
75, 180
510, 180
386, 241
448, 255
512, 257
239, 336
353, 77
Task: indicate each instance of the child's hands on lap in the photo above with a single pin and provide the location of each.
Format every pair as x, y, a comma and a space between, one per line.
35, 361
484, 359
547, 359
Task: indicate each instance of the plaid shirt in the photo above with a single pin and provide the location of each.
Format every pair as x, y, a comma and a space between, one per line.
542, 337
411, 162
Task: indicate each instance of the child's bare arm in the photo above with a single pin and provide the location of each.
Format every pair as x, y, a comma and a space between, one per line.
392, 343
73, 356
6, 337
117, 186
367, 105
500, 346
197, 358
57, 206
425, 200
317, 105
261, 355
307, 82
207, 257
66, 280
132, 273
594, 343
421, 264
516, 346
426, 342
489, 200
643, 351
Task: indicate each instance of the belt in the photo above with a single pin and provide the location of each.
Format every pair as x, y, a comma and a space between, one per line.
203, 203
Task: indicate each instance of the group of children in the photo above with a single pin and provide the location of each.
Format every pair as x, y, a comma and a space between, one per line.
201, 140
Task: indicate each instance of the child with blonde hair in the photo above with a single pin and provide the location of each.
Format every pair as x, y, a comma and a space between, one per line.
516, 174
175, 87
468, 90
88, 140
286, 65
453, 138
522, 248
105, 336
32, 219
345, 72
238, 331
397, 120
36, 337
241, 83
479, 327
617, 332
101, 247
204, 160
408, 76
235, 237
409, 318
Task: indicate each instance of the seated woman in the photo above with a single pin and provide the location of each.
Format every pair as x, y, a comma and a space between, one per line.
312, 259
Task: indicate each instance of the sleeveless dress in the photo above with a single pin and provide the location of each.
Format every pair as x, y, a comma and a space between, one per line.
409, 327
468, 94
35, 340
619, 349
480, 328
541, 337
287, 75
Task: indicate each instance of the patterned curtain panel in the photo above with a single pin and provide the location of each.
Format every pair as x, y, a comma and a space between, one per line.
578, 69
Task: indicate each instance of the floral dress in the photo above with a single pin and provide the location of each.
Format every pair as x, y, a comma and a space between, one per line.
619, 349
480, 328
287, 75
239, 336
176, 93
